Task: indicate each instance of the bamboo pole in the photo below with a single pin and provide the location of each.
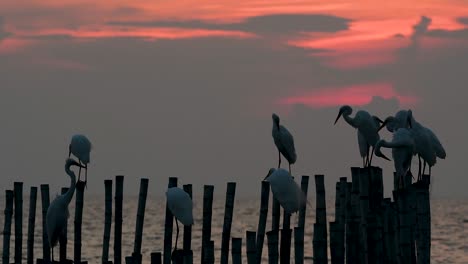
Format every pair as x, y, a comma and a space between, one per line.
168, 225
388, 233
237, 250
251, 247
156, 258
302, 211
376, 188
119, 180
337, 201
209, 253
285, 242
353, 217
299, 245
63, 239
334, 242
228, 212
320, 227
9, 197
187, 243
424, 220
272, 237
18, 191
31, 224
341, 224
107, 220
364, 179
275, 214
140, 220
207, 216
404, 227
262, 219
80, 186
45, 200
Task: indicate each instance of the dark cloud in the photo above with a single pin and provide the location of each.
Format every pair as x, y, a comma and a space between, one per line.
269, 24
463, 20
420, 28
442, 33
3, 33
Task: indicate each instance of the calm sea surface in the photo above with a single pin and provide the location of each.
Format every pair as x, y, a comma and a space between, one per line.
449, 228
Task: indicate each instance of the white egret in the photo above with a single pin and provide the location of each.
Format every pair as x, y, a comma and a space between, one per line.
367, 126
80, 147
286, 190
403, 147
180, 205
57, 213
284, 142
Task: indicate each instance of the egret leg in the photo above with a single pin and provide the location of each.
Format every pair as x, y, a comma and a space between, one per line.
86, 176
279, 159
363, 162
69, 151
430, 168
79, 171
367, 156
290, 173
177, 235
52, 250
424, 169
419, 171
372, 155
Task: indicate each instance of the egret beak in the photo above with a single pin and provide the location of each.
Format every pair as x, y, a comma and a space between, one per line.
384, 123
269, 173
384, 157
409, 117
378, 119
338, 117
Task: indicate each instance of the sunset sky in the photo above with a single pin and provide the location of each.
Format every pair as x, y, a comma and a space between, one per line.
187, 88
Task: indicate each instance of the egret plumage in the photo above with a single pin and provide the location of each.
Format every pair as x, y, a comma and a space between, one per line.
403, 146
57, 213
284, 142
180, 205
367, 128
286, 190
80, 147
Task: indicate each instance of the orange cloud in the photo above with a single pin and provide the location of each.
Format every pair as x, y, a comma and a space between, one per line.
355, 95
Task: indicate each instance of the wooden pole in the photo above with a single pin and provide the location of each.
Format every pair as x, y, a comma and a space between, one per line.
140, 220
264, 201
156, 258
376, 188
388, 233
319, 241
80, 186
31, 224
401, 197
45, 200
168, 225
209, 252
302, 211
63, 239
275, 214
228, 212
237, 250
107, 220
364, 178
272, 237
119, 180
18, 191
334, 242
353, 217
341, 223
207, 215
285, 242
424, 220
251, 247
9, 197
187, 243
299, 245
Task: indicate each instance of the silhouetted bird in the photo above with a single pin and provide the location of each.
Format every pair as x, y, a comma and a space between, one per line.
286, 190
180, 205
80, 147
284, 142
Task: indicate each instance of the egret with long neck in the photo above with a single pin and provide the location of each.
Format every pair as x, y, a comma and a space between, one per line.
284, 142
57, 213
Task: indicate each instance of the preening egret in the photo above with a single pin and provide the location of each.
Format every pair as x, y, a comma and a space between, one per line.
57, 213
367, 126
403, 147
180, 205
80, 147
284, 142
286, 190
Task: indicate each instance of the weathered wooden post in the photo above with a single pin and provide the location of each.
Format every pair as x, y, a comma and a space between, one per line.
375, 245
424, 220
262, 219
388, 233
187, 240
340, 219
401, 197
168, 225
299, 245
63, 239
275, 214
9, 197
31, 224
285, 242
207, 215
209, 253
18, 191
119, 180
251, 247
272, 237
364, 179
334, 241
376, 188
319, 241
136, 255
107, 221
45, 200
80, 186
228, 212
156, 258
237, 250
353, 217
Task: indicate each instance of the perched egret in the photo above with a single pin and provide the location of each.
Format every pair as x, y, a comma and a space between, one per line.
402, 146
286, 190
180, 205
284, 142
57, 213
80, 147
367, 126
